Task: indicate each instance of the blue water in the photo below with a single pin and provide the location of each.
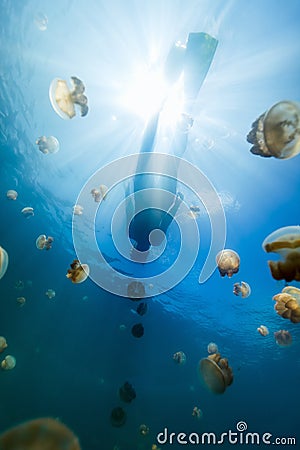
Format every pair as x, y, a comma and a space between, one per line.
71, 355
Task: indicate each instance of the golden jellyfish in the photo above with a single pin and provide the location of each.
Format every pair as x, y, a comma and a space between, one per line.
3, 344
263, 330
38, 434
288, 303
194, 211
78, 272
50, 293
242, 289
3, 262
28, 211
144, 430
136, 290
197, 412
228, 262
47, 144
283, 338
63, 99
41, 21
212, 348
21, 301
216, 373
8, 363
11, 194
286, 243
44, 243
77, 210
179, 357
277, 131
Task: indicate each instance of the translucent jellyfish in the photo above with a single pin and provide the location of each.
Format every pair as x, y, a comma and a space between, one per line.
136, 290
283, 338
122, 327
78, 272
11, 194
45, 433
99, 194
127, 392
277, 131
3, 343
228, 262
8, 362
286, 243
179, 357
77, 210
3, 262
47, 144
85, 298
44, 243
144, 430
28, 211
212, 348
242, 289
63, 99
137, 330
41, 21
263, 330
50, 293
216, 373
197, 412
194, 211
21, 301
118, 417
288, 304
19, 285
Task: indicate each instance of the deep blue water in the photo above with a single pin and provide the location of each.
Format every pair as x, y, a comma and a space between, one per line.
71, 355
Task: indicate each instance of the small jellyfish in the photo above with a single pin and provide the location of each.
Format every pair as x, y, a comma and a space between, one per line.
40, 242
78, 272
277, 131
11, 194
136, 290
118, 417
242, 289
28, 211
3, 262
43, 433
19, 285
8, 363
137, 330
50, 293
263, 330
127, 392
179, 357
197, 412
144, 430
99, 194
3, 343
21, 301
228, 262
216, 373
194, 211
77, 210
122, 327
142, 308
85, 298
47, 144
283, 338
286, 243
288, 304
41, 21
212, 348
63, 100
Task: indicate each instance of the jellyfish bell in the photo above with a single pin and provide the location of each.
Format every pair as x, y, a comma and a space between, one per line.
40, 242
118, 417
77, 210
212, 348
63, 99
283, 338
28, 211
21, 301
286, 243
47, 144
11, 194
50, 293
277, 131
136, 290
78, 272
263, 330
242, 289
179, 357
143, 429
8, 363
216, 373
288, 304
137, 330
127, 392
228, 262
3, 262
3, 343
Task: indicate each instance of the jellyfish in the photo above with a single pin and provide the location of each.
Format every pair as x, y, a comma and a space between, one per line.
19, 285
216, 373
11, 194
47, 144
143, 429
28, 211
277, 131
3, 344
21, 301
3, 262
99, 194
242, 289
137, 330
42, 433
50, 293
283, 338
122, 327
63, 100
118, 417
41, 21
263, 330
136, 290
179, 357
77, 210
85, 298
48, 243
288, 303
40, 242
286, 243
78, 272
8, 362
127, 392
212, 348
142, 308
228, 262
197, 412
194, 211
